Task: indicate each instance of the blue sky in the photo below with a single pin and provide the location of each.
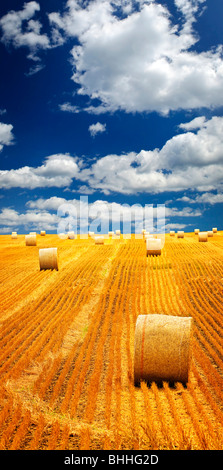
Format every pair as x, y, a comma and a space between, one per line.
117, 101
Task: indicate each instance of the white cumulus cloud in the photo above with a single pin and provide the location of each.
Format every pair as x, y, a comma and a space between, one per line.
6, 135
140, 61
189, 160
97, 128
20, 29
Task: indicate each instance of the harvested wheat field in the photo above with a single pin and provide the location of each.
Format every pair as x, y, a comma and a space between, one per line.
67, 344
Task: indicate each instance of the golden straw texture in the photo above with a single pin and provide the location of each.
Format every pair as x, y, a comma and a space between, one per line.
43, 233
214, 230
196, 230
162, 349
172, 233
210, 233
48, 258
14, 235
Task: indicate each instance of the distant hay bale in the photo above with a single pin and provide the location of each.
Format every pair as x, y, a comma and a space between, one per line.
43, 233
91, 234
62, 236
153, 246
172, 233
196, 231
48, 258
71, 235
30, 240
99, 240
202, 237
214, 230
14, 235
118, 232
162, 349
110, 233
180, 234
210, 233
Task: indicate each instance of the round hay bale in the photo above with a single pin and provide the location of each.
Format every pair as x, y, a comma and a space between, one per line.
91, 234
110, 233
162, 349
48, 258
196, 231
71, 235
118, 232
99, 240
214, 230
153, 246
172, 233
30, 240
62, 236
180, 234
202, 237
210, 233
43, 233
14, 235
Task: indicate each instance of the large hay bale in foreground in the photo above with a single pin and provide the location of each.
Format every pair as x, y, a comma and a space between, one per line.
162, 349
153, 246
203, 237
48, 258
30, 240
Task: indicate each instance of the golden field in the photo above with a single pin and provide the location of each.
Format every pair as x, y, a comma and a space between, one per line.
67, 344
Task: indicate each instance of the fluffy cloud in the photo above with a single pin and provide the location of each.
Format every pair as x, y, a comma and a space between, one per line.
56, 171
141, 55
97, 128
205, 198
190, 160
20, 29
10, 218
6, 136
